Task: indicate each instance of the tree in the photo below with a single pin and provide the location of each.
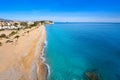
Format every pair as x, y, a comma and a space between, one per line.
16, 37
3, 36
15, 24
24, 24
12, 33
36, 23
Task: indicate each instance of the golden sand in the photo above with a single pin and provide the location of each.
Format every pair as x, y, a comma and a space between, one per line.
20, 59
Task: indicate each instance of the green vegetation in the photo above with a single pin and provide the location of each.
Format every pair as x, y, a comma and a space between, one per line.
36, 23
24, 24
18, 29
15, 24
12, 33
1, 29
3, 36
9, 41
28, 31
32, 25
46, 22
17, 36
42, 22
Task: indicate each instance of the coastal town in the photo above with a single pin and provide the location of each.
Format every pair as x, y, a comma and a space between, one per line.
20, 24
10, 30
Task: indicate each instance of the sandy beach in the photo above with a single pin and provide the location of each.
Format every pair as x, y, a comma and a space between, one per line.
20, 56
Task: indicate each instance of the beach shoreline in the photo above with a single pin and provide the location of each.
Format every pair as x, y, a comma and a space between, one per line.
44, 61
24, 61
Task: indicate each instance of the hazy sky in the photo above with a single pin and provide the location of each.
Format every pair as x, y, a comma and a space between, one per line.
61, 10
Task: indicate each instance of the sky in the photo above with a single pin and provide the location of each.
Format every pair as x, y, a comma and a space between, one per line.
61, 10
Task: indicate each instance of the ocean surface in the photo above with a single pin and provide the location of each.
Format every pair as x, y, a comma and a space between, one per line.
76, 48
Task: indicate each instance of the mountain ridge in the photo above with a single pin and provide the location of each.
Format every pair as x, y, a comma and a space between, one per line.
2, 19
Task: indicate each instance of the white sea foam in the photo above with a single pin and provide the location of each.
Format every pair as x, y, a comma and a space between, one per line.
43, 59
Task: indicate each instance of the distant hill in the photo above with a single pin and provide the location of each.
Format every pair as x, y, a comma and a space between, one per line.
1, 19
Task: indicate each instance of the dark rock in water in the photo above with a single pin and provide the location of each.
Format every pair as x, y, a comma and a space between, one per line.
92, 75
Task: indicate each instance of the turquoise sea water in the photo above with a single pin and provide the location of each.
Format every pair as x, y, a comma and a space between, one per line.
75, 48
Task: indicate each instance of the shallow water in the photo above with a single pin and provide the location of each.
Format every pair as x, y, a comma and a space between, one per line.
74, 48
